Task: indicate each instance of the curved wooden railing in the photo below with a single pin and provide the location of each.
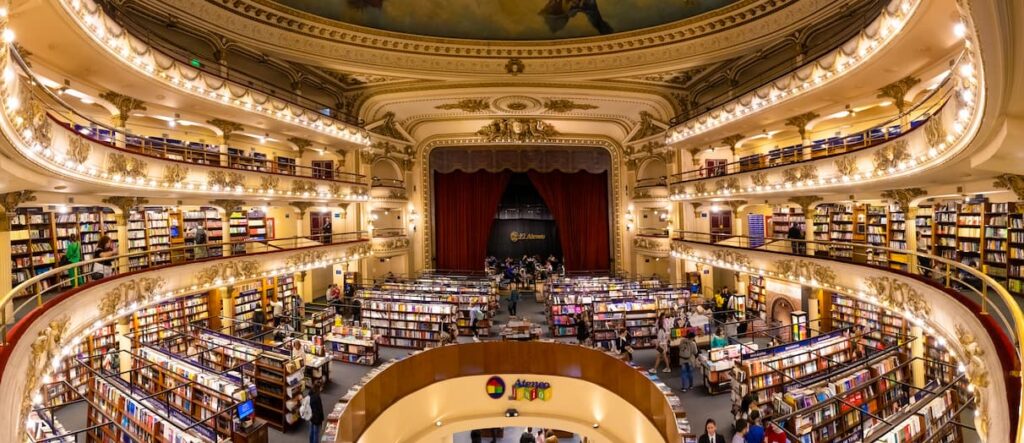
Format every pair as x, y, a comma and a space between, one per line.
506, 357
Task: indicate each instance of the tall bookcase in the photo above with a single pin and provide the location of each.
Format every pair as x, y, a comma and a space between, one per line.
245, 300
924, 221
766, 373
238, 230
640, 317
885, 328
841, 230
996, 237
757, 297
821, 228
407, 320
898, 238
211, 222
784, 217
876, 234
945, 227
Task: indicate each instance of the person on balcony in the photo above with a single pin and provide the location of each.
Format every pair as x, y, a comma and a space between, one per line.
104, 249
796, 237
72, 255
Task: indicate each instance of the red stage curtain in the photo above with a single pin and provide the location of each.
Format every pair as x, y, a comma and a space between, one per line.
464, 208
579, 203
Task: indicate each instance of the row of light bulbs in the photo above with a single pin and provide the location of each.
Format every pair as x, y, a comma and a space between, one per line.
890, 24
966, 93
121, 45
56, 364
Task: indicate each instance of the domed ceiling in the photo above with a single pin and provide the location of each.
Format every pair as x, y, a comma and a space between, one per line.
506, 19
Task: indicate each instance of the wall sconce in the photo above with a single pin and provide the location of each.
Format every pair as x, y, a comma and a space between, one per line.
412, 220
629, 218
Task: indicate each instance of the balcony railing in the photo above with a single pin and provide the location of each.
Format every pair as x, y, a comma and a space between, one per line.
388, 232
879, 134
34, 292
378, 182
987, 297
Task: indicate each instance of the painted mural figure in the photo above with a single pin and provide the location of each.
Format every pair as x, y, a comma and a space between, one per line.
558, 12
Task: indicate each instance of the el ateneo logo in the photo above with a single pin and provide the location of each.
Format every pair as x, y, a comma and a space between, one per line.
521, 389
522, 236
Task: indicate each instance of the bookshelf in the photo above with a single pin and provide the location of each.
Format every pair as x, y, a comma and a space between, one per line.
153, 323
89, 354
821, 227
639, 317
898, 238
562, 309
157, 235
211, 222
279, 385
876, 234
767, 372
140, 420
246, 299
945, 227
886, 329
32, 244
968, 234
841, 230
238, 230
1015, 256
923, 222
996, 238
257, 224
406, 320
784, 217
353, 344
757, 297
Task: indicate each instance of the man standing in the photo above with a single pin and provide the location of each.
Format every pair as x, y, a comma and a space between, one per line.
317, 408
687, 360
796, 237
513, 301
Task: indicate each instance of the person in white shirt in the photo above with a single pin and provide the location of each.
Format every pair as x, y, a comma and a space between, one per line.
661, 347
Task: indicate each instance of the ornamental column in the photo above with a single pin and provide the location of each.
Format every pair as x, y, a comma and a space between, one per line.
902, 198
125, 105
807, 204
226, 128
302, 229
800, 122
897, 93
227, 206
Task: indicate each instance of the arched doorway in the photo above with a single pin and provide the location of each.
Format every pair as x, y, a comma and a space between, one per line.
781, 316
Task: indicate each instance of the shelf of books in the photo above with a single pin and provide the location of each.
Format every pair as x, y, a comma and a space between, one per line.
934, 421
466, 293
140, 420
1015, 253
877, 235
279, 383
756, 297
32, 244
562, 309
238, 230
968, 234
639, 317
257, 224
155, 323
90, 352
784, 217
923, 224
814, 413
945, 230
883, 328
246, 299
996, 238
354, 344
157, 235
209, 219
203, 397
821, 227
768, 372
406, 320
841, 230
898, 238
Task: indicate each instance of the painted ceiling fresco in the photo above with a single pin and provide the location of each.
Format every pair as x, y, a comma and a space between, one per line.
506, 19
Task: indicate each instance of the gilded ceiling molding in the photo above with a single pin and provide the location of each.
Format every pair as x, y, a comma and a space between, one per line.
903, 197
934, 131
731, 142
846, 165
302, 207
734, 205
651, 244
730, 257
32, 117
700, 187
805, 202
386, 246
226, 270
898, 295
225, 179
136, 290
389, 128
800, 122
334, 188
728, 183
1013, 182
229, 206
802, 269
693, 150
897, 91
10, 201
696, 211
78, 150
342, 156
47, 346
977, 374
270, 183
124, 104
561, 106
514, 66
800, 174
890, 156
124, 165
175, 173
301, 144
646, 128
681, 250
470, 105
759, 179
303, 187
125, 205
306, 258
517, 130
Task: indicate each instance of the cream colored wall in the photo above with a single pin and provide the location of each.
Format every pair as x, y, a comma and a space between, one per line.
461, 404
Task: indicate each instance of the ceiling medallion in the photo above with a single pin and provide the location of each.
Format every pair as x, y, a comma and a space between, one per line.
517, 104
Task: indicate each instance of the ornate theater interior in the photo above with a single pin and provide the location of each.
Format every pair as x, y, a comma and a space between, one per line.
532, 221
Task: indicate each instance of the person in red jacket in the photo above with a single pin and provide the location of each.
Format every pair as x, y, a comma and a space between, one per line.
774, 433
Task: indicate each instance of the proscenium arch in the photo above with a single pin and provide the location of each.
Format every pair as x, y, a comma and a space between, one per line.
616, 202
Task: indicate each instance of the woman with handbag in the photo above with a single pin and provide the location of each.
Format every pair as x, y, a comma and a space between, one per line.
72, 255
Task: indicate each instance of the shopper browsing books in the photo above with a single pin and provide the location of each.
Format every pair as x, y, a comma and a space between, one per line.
711, 434
718, 339
741, 432
582, 330
756, 432
624, 344
476, 315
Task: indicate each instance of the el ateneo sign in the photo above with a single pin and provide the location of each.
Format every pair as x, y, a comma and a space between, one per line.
524, 390
515, 236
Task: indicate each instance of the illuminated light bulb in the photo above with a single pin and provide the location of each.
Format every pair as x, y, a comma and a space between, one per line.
7, 35
967, 70
960, 30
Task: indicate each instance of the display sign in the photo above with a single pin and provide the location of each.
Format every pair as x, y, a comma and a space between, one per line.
530, 390
522, 236
495, 387
519, 237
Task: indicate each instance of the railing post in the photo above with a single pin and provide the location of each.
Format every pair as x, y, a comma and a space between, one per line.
949, 274
984, 297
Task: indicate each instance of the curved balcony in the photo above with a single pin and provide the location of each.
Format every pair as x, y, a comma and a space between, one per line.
388, 189
655, 188
957, 301
607, 401
95, 155
946, 126
150, 61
